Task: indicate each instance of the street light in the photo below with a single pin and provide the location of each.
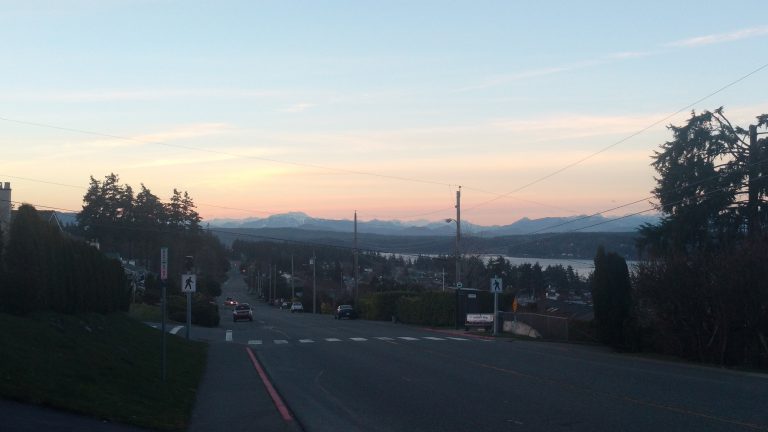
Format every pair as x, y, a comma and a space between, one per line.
456, 251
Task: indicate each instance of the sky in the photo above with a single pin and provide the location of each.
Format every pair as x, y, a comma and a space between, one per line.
536, 109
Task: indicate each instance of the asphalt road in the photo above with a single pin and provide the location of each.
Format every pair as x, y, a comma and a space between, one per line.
374, 376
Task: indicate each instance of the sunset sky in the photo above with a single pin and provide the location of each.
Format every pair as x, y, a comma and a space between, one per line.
384, 107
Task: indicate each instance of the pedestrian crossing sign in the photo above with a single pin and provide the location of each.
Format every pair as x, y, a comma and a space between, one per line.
188, 282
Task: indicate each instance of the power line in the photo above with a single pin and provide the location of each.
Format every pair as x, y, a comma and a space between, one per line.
222, 153
627, 138
498, 197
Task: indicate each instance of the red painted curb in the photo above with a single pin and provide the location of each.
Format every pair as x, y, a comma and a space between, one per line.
270, 388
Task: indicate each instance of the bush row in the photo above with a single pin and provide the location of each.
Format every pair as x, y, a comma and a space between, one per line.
435, 308
204, 313
44, 270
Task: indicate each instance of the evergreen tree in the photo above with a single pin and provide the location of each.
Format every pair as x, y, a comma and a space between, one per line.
28, 266
712, 184
611, 294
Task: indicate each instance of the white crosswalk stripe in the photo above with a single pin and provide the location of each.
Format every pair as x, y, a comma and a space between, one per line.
229, 338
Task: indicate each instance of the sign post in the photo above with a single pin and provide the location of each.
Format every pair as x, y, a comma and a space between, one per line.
163, 307
189, 285
496, 287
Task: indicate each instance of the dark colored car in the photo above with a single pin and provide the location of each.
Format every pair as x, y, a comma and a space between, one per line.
345, 311
230, 302
242, 311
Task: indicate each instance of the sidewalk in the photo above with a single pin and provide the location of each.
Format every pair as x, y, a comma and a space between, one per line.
232, 397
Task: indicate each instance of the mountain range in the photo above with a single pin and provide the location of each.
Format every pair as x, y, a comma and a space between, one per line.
582, 223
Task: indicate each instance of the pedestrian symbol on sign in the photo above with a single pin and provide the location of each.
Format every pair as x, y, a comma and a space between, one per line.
496, 286
188, 283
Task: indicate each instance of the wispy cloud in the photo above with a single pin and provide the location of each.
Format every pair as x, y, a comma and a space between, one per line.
618, 56
138, 95
720, 37
526, 74
88, 147
207, 159
297, 108
623, 55
575, 126
185, 132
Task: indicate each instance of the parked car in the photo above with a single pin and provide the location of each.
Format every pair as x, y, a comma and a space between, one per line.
285, 305
242, 311
345, 311
230, 302
297, 307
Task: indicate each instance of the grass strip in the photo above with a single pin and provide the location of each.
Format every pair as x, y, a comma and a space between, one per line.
104, 366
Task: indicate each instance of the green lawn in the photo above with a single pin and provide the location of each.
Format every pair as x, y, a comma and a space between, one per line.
104, 366
145, 312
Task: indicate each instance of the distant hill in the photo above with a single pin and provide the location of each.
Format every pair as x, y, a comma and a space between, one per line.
579, 245
303, 221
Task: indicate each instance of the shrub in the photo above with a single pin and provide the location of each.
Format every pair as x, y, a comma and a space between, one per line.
381, 306
430, 308
204, 313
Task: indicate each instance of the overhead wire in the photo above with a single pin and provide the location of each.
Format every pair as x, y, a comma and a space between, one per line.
623, 140
499, 196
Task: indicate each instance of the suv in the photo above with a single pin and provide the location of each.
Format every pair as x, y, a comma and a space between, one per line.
242, 311
297, 307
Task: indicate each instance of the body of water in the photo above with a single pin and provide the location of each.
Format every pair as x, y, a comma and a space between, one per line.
582, 266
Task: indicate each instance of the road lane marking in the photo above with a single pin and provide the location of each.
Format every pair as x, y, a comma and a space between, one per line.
306, 341
270, 388
457, 338
280, 341
254, 342
332, 340
228, 336
432, 338
408, 338
176, 329
358, 339
384, 338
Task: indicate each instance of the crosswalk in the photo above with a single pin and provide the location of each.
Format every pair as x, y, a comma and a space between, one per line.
229, 338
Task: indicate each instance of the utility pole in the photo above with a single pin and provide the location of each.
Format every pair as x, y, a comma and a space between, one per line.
314, 282
356, 275
753, 225
458, 236
164, 307
443, 279
293, 290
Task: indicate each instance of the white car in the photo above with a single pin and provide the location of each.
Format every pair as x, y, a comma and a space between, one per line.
297, 307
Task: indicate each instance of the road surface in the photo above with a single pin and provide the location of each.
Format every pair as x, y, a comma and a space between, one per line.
379, 376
